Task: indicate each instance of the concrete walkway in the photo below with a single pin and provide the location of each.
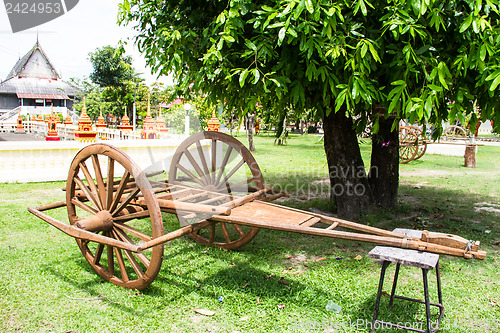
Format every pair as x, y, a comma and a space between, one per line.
19, 137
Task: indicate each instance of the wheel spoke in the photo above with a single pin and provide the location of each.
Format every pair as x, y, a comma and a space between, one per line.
196, 166
125, 202
134, 232
135, 265
110, 181
121, 264
224, 163
86, 191
100, 181
214, 160
238, 229
225, 232
131, 216
190, 175
111, 260
119, 192
124, 237
83, 206
231, 173
203, 159
98, 253
91, 183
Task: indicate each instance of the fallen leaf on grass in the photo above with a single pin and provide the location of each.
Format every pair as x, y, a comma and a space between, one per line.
289, 268
204, 312
289, 257
258, 300
246, 285
319, 259
281, 306
385, 293
493, 303
358, 257
270, 276
281, 280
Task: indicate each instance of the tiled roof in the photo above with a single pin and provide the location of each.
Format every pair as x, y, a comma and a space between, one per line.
36, 86
35, 63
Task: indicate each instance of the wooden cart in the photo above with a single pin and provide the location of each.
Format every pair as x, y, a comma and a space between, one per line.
216, 190
412, 143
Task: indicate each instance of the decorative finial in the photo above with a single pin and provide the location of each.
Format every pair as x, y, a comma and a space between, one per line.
149, 105
84, 109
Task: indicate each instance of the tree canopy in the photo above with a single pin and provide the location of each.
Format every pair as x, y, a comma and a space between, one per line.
111, 67
356, 63
424, 60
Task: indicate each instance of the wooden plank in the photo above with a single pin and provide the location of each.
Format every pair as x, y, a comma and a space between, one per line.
312, 221
407, 257
268, 215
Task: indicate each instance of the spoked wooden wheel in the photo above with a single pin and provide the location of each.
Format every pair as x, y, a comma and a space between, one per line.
220, 165
422, 143
101, 191
408, 144
455, 132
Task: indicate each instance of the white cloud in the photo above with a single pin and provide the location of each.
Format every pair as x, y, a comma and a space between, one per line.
67, 40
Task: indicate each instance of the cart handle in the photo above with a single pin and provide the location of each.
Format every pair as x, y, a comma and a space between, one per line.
75, 232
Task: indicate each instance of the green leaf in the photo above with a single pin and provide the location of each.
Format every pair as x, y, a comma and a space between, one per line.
281, 35
482, 52
435, 88
256, 74
495, 83
374, 52
364, 49
375, 126
309, 6
428, 107
243, 77
250, 45
466, 23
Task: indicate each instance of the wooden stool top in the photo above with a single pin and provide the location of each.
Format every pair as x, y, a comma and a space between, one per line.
407, 257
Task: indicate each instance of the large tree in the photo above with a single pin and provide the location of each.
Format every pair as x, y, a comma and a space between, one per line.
113, 72
357, 63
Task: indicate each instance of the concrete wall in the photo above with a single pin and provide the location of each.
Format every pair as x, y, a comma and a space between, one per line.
50, 161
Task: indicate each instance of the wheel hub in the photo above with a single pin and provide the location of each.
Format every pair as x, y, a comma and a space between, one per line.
102, 221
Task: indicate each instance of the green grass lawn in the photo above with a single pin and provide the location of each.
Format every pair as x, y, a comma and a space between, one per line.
280, 282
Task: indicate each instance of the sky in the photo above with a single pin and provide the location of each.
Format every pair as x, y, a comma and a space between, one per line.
67, 40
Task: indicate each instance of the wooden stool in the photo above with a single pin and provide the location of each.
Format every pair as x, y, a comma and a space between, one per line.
424, 260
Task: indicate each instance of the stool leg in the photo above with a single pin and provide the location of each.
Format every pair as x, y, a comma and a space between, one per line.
438, 277
379, 293
394, 283
428, 328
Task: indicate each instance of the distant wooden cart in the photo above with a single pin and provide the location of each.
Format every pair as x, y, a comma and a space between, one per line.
412, 143
216, 190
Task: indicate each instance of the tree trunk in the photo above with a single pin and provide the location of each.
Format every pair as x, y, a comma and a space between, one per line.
251, 146
350, 189
470, 156
384, 170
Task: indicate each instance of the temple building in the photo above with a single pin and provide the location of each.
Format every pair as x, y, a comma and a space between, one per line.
33, 85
